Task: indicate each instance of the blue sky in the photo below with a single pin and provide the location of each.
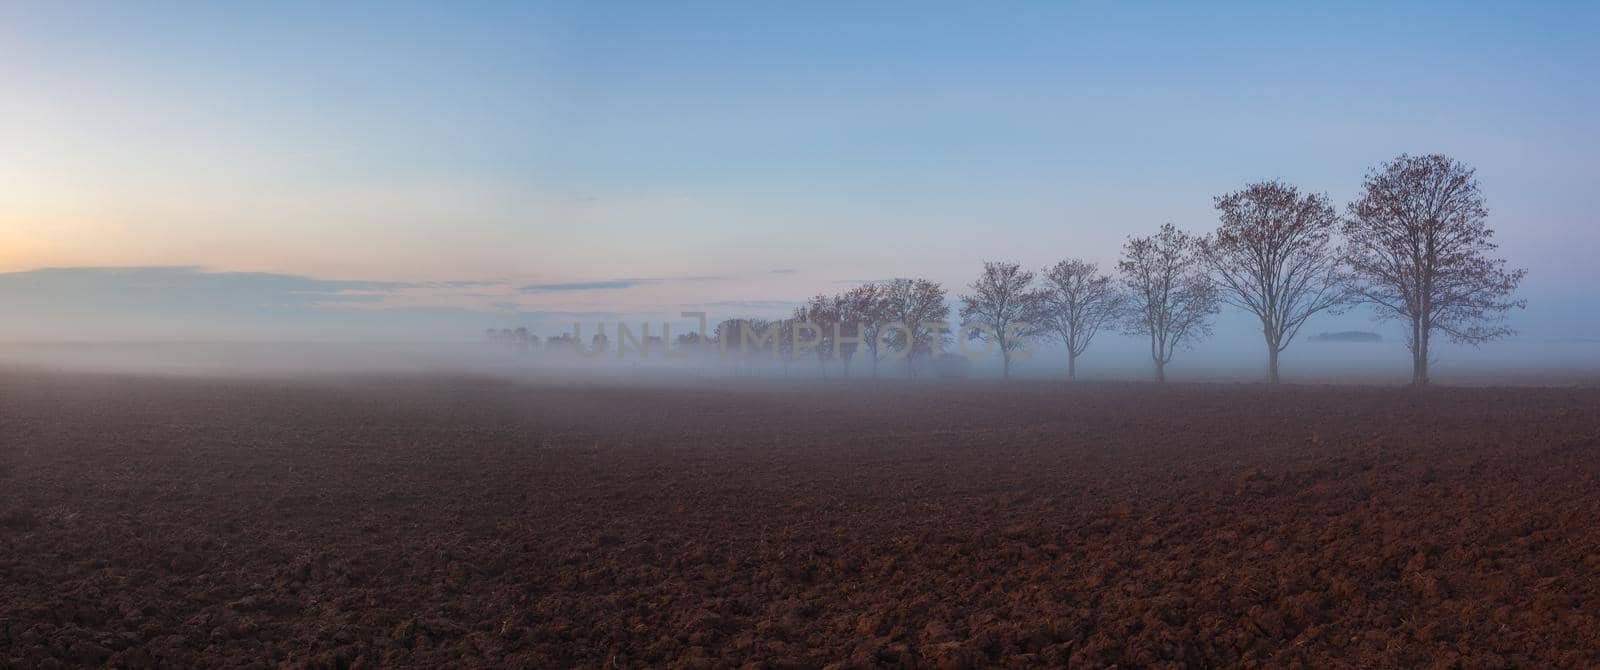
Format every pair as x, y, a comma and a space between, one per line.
639, 158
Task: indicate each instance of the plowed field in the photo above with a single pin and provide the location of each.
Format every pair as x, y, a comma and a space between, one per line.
426, 522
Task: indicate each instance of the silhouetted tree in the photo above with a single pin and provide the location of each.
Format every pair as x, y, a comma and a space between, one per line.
747, 341
783, 341
863, 308
1171, 298
519, 339
655, 344
564, 343
822, 312
1419, 247
1003, 299
692, 343
1077, 302
1273, 256
524, 340
915, 304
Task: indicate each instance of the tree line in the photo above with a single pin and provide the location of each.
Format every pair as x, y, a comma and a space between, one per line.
1414, 245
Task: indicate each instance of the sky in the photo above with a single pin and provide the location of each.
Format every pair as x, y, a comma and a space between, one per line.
299, 171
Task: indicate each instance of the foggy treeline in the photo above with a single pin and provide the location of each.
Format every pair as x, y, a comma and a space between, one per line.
1414, 247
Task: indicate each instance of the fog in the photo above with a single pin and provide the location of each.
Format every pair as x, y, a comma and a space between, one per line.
184, 321
1111, 357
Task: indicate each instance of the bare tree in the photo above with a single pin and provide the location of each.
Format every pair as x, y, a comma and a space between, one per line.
859, 316
1003, 300
524, 340
822, 313
784, 344
692, 343
1273, 256
913, 304
1419, 248
1077, 302
746, 341
744, 335
565, 343
1171, 298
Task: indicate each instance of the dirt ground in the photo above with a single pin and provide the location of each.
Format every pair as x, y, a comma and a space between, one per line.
431, 522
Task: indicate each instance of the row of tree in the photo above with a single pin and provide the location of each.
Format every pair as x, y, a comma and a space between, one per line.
1415, 246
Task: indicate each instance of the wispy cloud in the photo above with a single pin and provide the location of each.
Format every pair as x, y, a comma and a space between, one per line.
602, 285
612, 284
186, 285
171, 302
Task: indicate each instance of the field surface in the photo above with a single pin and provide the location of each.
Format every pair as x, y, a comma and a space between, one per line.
438, 521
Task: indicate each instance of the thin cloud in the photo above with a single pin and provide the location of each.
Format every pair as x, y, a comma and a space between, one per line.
603, 285
612, 284
186, 302
188, 283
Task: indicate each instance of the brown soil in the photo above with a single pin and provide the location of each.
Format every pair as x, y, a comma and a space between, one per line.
435, 522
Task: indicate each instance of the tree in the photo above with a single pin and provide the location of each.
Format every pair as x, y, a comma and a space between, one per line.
1077, 302
783, 343
1418, 246
745, 338
863, 307
854, 312
1003, 300
913, 306
565, 343
598, 344
692, 343
1273, 256
525, 340
744, 341
1171, 298
822, 313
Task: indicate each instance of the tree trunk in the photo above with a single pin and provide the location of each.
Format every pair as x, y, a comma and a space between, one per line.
1419, 353
1161, 371
1005, 364
1272, 365
1072, 365
1421, 376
